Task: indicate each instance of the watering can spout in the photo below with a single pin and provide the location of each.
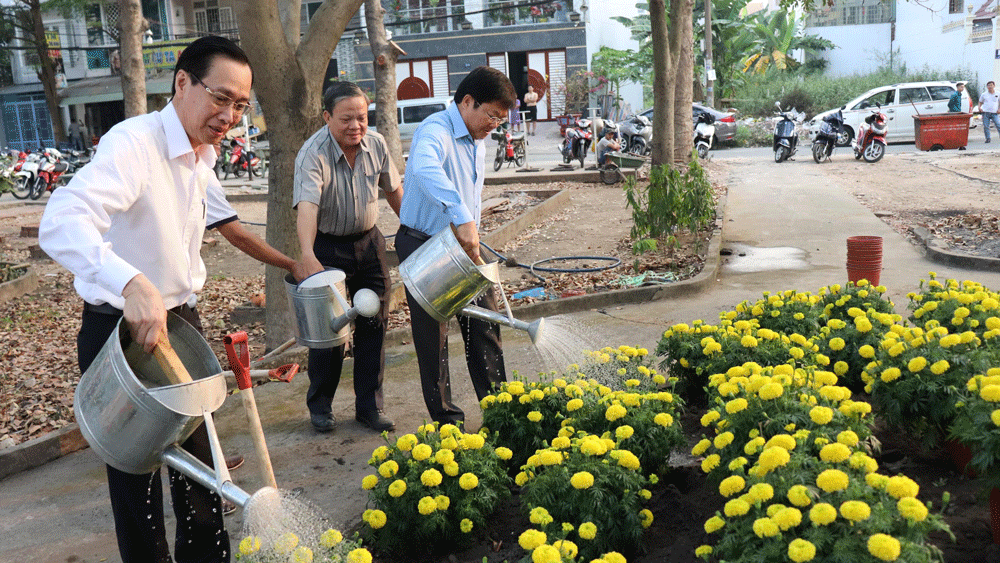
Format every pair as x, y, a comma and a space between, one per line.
535, 330
366, 304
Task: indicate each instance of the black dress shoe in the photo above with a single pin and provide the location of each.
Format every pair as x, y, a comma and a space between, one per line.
323, 422
376, 420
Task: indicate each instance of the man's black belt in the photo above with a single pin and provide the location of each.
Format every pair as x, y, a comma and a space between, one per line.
355, 237
411, 232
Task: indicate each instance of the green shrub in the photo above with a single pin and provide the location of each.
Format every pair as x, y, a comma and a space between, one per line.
752, 136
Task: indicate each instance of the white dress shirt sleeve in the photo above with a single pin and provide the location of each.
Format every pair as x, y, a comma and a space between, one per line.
79, 214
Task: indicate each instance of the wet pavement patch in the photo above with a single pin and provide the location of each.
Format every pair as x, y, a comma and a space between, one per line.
740, 258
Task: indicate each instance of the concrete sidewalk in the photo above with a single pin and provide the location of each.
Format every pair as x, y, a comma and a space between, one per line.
789, 222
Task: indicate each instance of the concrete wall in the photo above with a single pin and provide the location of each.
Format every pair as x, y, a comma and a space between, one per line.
926, 36
603, 31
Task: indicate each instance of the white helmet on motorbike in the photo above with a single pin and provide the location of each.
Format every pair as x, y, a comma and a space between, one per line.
583, 123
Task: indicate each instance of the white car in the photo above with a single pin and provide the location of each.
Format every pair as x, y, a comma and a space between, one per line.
900, 102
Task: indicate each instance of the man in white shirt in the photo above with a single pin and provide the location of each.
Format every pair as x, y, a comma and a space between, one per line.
129, 226
988, 105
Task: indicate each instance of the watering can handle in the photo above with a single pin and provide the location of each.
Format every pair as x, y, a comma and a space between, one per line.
479, 259
239, 361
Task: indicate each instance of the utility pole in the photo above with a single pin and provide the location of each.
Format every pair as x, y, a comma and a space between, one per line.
709, 67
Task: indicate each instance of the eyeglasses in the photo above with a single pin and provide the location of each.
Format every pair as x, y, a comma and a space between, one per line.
496, 121
222, 101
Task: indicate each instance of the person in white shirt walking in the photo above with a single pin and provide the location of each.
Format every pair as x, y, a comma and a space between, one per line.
988, 104
129, 226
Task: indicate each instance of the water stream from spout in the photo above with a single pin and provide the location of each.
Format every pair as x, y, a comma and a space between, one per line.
506, 304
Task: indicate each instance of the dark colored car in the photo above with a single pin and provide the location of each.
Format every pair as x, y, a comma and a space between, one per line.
725, 122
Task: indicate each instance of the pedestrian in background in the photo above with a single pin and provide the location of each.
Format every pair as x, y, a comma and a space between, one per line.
444, 187
531, 101
988, 103
338, 173
74, 135
955, 101
515, 117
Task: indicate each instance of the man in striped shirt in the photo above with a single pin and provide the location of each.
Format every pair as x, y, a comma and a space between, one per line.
338, 173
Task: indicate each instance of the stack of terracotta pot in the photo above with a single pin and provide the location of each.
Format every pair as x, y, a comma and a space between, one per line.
864, 259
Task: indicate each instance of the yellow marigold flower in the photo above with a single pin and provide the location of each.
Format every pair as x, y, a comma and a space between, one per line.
473, 441
939, 367
710, 463
582, 480
406, 442
855, 510
884, 547
421, 452
714, 524
848, 438
782, 441
330, 538
702, 551
444, 457
912, 509
890, 374
376, 519
587, 531
369, 482
535, 416
504, 397
468, 481
737, 463
822, 514
521, 479
249, 544
465, 525
574, 404
540, 516
549, 457
995, 417
799, 495
397, 488
628, 460
624, 432
832, 480
592, 445
736, 405
821, 415
736, 507
950, 340
916, 364
723, 440
431, 477
771, 391
613, 557
800, 550
765, 528
359, 555
772, 458
731, 485
614, 412
761, 491
787, 518
530, 539
837, 344
990, 393
834, 453
752, 446
701, 447
901, 486
427, 505
708, 418
449, 443
451, 469
645, 517
663, 419
866, 352
443, 502
388, 468
504, 453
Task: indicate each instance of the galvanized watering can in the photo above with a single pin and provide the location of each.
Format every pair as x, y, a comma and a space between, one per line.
319, 306
444, 280
135, 423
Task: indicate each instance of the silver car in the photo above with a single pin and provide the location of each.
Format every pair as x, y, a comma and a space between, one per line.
725, 121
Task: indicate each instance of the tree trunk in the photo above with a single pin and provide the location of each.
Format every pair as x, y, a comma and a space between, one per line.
663, 99
133, 25
288, 81
47, 73
385, 54
682, 55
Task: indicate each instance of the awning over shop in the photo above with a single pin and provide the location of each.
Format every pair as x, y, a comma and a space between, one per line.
106, 89
32, 88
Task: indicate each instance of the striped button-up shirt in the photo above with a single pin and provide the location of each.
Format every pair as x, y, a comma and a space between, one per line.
347, 198
444, 174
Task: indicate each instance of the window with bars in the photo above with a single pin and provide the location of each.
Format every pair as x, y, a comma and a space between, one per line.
854, 12
209, 17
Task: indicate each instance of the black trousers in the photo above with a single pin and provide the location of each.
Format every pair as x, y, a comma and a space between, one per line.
137, 500
362, 258
483, 348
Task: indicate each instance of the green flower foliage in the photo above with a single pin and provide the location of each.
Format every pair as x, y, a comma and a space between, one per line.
787, 312
584, 478
841, 340
329, 547
432, 489
977, 424
837, 301
957, 306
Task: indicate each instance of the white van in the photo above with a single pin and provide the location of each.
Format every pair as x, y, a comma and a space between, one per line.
409, 114
900, 102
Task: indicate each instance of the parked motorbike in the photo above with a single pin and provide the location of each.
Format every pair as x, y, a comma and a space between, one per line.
21, 182
50, 167
510, 147
785, 137
636, 133
829, 131
576, 142
25, 176
870, 143
704, 131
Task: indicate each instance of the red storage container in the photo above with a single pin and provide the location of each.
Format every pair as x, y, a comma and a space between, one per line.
941, 131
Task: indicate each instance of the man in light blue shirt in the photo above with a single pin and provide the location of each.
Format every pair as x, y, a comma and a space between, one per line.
443, 186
